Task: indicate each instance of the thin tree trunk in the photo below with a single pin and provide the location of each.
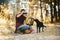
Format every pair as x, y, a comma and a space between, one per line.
51, 11
55, 12
58, 11
41, 11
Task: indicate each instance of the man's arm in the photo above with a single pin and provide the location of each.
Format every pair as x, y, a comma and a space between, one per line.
19, 14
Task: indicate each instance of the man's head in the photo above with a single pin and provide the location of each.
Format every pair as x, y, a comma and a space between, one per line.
25, 14
22, 10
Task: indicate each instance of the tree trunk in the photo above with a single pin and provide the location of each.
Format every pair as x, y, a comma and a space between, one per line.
58, 11
41, 11
51, 11
55, 11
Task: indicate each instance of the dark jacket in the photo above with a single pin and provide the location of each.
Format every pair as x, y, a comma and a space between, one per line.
20, 20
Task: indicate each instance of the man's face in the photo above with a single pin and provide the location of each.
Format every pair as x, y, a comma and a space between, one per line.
25, 15
22, 11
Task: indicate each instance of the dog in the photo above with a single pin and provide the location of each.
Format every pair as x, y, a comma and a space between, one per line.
39, 25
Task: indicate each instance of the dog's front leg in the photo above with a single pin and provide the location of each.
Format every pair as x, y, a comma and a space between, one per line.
39, 29
42, 29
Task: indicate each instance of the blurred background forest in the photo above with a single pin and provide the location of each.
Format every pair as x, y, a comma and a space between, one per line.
47, 11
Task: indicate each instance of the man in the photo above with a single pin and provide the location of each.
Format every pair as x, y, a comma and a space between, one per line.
20, 19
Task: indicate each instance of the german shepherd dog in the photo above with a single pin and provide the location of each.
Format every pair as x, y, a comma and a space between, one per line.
39, 25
